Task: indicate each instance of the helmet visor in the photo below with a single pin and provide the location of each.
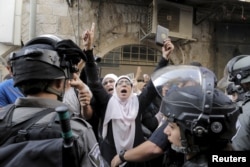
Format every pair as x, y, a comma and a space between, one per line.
171, 79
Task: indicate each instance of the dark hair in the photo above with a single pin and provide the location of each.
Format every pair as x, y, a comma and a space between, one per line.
32, 87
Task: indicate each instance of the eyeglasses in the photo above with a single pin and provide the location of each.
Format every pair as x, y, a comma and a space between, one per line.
127, 82
109, 81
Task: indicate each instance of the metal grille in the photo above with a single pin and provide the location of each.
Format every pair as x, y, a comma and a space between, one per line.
131, 55
150, 18
169, 17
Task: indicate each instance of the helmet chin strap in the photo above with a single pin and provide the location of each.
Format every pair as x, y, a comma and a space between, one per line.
59, 94
185, 147
56, 92
179, 149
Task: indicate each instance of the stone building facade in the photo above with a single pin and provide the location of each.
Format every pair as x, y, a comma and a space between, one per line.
119, 25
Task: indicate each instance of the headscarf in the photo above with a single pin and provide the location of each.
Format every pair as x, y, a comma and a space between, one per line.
123, 115
112, 76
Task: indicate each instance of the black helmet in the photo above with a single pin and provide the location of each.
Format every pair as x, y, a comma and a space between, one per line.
205, 114
239, 69
232, 88
46, 57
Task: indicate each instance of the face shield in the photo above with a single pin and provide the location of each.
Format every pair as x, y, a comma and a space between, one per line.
173, 78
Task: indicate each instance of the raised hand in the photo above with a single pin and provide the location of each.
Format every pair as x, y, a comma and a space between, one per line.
76, 82
88, 38
167, 49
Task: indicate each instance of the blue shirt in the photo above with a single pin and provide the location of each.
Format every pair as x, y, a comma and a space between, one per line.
8, 93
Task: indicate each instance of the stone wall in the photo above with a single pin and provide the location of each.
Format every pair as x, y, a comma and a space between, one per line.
119, 24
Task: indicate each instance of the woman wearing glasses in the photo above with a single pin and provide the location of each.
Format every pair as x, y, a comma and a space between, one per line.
121, 112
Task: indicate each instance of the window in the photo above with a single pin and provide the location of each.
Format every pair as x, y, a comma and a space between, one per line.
132, 55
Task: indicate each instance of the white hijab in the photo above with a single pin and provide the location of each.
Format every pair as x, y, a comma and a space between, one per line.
112, 76
123, 115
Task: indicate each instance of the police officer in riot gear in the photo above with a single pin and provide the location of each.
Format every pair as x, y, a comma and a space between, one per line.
41, 69
200, 117
239, 73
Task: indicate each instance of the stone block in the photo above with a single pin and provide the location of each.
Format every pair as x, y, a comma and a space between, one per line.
60, 10
44, 9
49, 28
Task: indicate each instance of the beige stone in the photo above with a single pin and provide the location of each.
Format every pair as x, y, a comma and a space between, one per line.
65, 26
49, 28
44, 9
60, 10
46, 19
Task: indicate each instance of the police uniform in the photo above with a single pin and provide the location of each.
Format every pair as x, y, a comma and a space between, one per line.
87, 145
240, 141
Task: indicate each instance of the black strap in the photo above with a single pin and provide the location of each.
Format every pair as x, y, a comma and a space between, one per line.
12, 130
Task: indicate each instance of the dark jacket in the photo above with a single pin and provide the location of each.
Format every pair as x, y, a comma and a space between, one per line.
107, 145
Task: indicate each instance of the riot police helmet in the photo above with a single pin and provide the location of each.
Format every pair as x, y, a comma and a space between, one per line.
204, 114
239, 69
46, 57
